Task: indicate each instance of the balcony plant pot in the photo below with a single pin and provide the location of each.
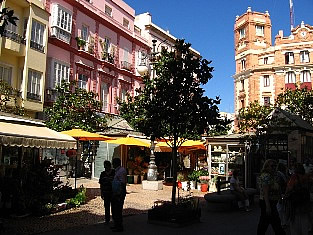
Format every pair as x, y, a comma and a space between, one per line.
204, 187
81, 43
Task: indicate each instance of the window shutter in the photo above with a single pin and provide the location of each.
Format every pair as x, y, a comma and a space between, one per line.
54, 15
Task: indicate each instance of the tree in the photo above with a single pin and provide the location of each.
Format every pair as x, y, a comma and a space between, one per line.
6, 16
298, 101
10, 99
172, 103
253, 116
75, 108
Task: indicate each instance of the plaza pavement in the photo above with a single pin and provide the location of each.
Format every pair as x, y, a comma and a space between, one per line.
215, 223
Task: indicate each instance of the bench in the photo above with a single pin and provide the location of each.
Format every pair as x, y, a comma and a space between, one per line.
225, 200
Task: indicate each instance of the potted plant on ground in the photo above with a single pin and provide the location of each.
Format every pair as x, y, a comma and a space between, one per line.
81, 43
193, 177
180, 178
204, 180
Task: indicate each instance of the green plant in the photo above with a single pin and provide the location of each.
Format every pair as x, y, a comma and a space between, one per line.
203, 172
80, 42
194, 176
180, 177
79, 199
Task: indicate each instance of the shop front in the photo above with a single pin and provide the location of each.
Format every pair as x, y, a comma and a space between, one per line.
24, 143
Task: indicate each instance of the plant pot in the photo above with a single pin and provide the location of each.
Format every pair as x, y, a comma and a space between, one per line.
199, 186
130, 179
179, 184
184, 185
136, 179
192, 184
204, 187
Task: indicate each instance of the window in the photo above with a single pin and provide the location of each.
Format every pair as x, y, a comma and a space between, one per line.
61, 72
126, 54
242, 103
125, 23
104, 96
85, 33
267, 101
266, 80
82, 81
33, 86
259, 30
242, 33
242, 82
11, 27
265, 60
36, 41
123, 95
6, 74
61, 23
305, 76
108, 10
289, 58
304, 56
290, 77
243, 64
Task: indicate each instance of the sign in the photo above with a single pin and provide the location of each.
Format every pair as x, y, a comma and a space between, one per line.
221, 168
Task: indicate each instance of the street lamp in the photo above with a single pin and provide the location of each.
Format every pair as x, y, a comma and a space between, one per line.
143, 70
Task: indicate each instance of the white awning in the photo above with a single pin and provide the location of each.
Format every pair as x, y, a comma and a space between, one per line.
33, 135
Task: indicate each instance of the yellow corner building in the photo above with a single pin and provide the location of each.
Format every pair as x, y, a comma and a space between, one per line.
23, 53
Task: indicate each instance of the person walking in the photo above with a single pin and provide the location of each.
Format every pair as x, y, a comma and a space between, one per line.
298, 198
118, 195
269, 196
105, 181
239, 192
282, 180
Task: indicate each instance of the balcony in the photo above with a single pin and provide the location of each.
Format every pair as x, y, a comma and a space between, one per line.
290, 86
51, 95
14, 36
307, 85
14, 42
37, 46
108, 57
60, 34
126, 65
32, 96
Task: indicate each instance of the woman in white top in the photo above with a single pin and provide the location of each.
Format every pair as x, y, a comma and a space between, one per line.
239, 192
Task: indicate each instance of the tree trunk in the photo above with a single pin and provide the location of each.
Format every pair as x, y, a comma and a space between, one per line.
174, 161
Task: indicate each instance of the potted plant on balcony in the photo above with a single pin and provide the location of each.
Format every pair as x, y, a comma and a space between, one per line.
81, 43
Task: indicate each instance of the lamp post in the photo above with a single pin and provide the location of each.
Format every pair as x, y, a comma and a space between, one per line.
143, 70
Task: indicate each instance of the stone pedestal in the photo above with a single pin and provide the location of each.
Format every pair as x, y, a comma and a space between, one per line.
152, 185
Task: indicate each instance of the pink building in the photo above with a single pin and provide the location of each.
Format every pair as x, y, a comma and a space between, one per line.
95, 43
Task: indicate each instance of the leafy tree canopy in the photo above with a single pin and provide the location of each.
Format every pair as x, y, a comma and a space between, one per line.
253, 116
10, 99
298, 101
75, 108
6, 16
172, 103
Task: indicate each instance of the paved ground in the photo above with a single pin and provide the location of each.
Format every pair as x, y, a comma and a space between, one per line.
217, 223
88, 219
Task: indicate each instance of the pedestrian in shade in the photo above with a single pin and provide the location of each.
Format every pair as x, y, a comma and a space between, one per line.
105, 181
118, 195
269, 196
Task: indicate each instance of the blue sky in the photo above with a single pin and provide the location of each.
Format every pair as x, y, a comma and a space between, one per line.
208, 25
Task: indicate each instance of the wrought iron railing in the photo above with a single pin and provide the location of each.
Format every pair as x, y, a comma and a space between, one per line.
37, 46
126, 65
13, 36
